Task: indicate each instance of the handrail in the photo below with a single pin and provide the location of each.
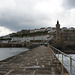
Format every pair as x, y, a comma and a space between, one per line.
62, 53
71, 59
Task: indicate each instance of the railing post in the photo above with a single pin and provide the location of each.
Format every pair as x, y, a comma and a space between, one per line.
58, 54
58, 57
56, 51
62, 59
70, 66
62, 65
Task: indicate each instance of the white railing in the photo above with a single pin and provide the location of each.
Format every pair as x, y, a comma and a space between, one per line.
57, 52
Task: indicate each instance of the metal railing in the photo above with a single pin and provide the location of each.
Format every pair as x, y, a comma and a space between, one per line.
57, 53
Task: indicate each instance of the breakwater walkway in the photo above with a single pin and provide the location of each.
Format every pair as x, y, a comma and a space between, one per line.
37, 61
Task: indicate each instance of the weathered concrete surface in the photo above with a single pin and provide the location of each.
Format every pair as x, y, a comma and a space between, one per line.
38, 61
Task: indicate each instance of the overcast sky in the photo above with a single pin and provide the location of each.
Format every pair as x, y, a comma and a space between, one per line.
16, 15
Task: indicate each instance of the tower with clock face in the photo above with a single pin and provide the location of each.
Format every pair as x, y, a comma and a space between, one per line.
58, 38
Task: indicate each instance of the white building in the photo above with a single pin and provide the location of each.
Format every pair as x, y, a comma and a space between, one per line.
53, 29
31, 31
72, 28
22, 39
48, 29
5, 41
38, 30
64, 29
42, 29
6, 37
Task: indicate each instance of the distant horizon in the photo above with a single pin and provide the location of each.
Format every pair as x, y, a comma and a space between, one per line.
32, 29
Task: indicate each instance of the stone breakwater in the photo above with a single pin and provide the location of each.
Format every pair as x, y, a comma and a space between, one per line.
28, 45
37, 61
11, 45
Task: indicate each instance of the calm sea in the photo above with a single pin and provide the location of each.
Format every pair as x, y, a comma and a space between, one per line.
8, 52
66, 62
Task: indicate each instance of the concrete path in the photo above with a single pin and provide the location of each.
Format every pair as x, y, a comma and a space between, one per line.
38, 61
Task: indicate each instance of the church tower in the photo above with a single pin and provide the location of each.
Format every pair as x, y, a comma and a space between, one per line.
58, 38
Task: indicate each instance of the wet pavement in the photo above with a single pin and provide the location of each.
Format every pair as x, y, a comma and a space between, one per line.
37, 61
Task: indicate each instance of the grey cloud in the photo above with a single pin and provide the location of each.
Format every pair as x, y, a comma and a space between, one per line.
26, 14
16, 21
68, 4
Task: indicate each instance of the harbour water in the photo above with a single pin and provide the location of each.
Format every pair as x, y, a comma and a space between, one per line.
8, 52
66, 62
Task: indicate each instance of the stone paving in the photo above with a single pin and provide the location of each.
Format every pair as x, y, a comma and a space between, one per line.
38, 61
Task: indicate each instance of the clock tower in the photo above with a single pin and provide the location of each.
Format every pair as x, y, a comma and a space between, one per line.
58, 39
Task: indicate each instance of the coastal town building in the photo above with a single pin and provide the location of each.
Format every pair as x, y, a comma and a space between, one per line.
23, 32
71, 28
53, 29
58, 38
38, 30
31, 31
64, 29
6, 37
43, 29
29, 38
60, 34
65, 35
48, 29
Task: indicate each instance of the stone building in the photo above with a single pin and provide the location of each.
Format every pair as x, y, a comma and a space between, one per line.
66, 36
58, 38
24, 32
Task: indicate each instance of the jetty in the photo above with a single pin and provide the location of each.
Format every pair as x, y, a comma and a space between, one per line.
38, 61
